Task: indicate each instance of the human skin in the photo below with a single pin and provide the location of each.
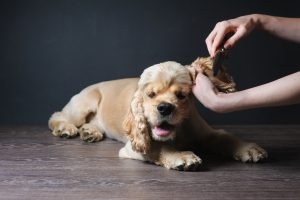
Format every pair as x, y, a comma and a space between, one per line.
282, 27
283, 91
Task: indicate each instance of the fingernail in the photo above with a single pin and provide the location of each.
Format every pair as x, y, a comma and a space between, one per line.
227, 46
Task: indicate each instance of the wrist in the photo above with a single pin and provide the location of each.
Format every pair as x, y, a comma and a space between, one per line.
229, 102
258, 20
262, 21
218, 103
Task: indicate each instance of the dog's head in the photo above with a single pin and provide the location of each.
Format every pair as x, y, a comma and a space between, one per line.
161, 102
166, 90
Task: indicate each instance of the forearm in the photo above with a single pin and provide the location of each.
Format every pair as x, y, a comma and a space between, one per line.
283, 91
286, 28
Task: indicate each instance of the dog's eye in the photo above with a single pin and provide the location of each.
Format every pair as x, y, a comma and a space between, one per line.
151, 94
180, 95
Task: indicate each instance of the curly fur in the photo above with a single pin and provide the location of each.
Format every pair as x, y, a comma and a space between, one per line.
128, 110
135, 125
223, 81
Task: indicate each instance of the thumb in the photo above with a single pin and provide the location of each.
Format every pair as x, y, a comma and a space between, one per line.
200, 77
200, 70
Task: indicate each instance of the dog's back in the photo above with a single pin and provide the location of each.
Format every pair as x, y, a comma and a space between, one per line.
101, 107
113, 106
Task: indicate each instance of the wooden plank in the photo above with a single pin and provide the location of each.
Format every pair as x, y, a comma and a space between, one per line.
36, 165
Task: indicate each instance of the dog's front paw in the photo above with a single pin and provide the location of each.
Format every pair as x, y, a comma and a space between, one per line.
66, 130
250, 152
184, 161
90, 133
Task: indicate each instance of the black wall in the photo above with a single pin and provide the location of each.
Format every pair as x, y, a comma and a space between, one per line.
50, 50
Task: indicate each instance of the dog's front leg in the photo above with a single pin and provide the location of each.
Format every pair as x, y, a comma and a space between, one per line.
164, 155
222, 142
128, 152
171, 158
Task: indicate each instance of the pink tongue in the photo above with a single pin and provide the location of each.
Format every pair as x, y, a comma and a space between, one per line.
161, 132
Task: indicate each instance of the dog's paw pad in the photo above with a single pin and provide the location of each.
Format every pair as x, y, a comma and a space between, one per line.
65, 130
186, 161
251, 153
90, 133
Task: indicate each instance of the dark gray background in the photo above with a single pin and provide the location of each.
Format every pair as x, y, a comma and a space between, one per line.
50, 50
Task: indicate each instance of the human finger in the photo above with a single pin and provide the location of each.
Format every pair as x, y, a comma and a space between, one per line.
209, 40
235, 38
218, 39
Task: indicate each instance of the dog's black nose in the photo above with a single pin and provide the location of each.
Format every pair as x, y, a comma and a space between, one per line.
165, 108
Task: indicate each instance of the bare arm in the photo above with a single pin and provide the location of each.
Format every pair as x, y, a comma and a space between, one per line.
286, 28
283, 91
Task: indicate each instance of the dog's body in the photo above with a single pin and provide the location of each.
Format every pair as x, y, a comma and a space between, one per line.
153, 115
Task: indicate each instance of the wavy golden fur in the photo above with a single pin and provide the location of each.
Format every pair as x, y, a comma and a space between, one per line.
154, 116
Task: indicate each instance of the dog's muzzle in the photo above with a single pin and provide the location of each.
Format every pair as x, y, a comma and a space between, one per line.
165, 109
163, 129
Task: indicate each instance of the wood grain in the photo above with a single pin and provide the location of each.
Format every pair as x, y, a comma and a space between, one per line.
36, 165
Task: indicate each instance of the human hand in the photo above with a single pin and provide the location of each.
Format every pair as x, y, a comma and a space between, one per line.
205, 91
240, 27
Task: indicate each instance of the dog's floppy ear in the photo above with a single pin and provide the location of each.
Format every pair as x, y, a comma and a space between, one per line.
135, 125
223, 81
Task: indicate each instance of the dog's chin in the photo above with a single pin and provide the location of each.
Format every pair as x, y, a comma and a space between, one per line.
163, 131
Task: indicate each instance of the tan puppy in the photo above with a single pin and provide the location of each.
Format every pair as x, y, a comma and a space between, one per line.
154, 116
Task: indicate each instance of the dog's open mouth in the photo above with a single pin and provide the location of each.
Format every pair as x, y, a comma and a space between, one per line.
163, 130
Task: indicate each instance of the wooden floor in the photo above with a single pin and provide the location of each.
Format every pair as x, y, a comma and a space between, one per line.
36, 165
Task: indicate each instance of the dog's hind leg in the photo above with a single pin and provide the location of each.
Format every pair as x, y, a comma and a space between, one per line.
90, 133
76, 113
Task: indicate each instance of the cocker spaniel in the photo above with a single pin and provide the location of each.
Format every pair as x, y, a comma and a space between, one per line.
154, 116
